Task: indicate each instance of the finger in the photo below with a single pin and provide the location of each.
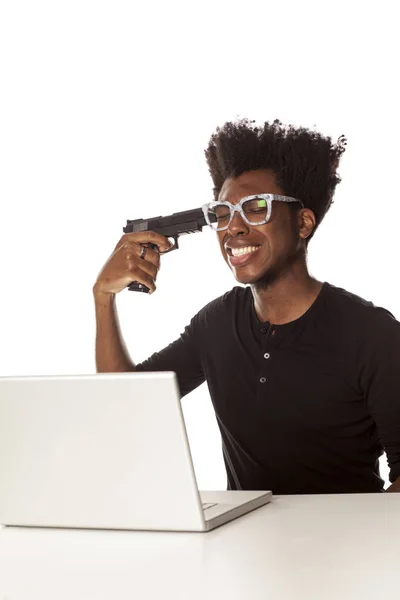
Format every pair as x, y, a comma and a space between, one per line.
139, 274
156, 238
145, 237
142, 263
134, 251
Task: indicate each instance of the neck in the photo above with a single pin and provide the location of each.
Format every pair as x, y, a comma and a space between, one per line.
287, 298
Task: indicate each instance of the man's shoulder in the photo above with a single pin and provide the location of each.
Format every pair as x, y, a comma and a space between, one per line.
347, 299
357, 309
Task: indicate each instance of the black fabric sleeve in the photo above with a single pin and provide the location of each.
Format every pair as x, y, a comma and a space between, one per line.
380, 382
183, 357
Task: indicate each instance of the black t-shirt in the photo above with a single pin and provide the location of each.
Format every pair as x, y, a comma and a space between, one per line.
305, 407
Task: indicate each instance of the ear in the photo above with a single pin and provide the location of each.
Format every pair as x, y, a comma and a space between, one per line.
306, 222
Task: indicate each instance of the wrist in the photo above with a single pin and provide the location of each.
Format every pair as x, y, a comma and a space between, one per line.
101, 297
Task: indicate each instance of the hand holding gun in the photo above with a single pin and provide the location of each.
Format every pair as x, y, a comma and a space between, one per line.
172, 226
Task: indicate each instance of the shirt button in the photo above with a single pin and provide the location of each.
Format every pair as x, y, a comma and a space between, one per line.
267, 355
264, 330
263, 380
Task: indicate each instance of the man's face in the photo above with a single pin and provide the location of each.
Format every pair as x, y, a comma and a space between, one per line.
278, 243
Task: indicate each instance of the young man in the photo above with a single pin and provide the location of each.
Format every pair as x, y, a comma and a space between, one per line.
304, 376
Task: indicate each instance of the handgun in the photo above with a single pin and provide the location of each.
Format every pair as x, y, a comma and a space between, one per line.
172, 226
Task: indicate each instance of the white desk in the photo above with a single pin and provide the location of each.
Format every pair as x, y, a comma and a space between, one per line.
297, 547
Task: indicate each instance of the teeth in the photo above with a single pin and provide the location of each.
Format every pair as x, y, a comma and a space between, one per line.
241, 251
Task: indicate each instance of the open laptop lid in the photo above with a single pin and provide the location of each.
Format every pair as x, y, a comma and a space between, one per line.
103, 451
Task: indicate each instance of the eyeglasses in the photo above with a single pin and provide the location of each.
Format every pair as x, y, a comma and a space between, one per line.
254, 210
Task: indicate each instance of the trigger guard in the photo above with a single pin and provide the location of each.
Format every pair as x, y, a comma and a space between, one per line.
174, 247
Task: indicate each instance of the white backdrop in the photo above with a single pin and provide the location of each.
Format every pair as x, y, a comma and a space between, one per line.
105, 110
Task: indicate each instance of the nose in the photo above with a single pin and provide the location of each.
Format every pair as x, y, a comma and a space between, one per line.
238, 226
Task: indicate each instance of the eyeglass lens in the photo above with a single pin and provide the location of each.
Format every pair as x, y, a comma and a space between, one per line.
255, 211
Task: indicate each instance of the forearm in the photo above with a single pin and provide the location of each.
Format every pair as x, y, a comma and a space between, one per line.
395, 487
111, 353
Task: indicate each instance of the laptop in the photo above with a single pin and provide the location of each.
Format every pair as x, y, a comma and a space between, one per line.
104, 451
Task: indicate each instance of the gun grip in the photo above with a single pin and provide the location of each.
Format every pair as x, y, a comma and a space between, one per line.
135, 286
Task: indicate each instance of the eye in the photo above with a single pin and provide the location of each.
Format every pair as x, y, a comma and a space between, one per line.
255, 206
221, 212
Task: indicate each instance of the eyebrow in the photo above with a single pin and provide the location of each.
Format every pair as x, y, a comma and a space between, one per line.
244, 196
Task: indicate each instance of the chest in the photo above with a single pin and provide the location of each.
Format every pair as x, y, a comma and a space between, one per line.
292, 381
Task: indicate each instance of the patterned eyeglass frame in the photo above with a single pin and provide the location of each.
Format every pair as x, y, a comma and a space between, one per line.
238, 208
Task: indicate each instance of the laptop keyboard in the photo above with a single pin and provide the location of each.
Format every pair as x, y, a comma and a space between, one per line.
206, 505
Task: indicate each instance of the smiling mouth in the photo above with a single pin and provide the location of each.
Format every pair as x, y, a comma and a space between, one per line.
243, 257
244, 251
